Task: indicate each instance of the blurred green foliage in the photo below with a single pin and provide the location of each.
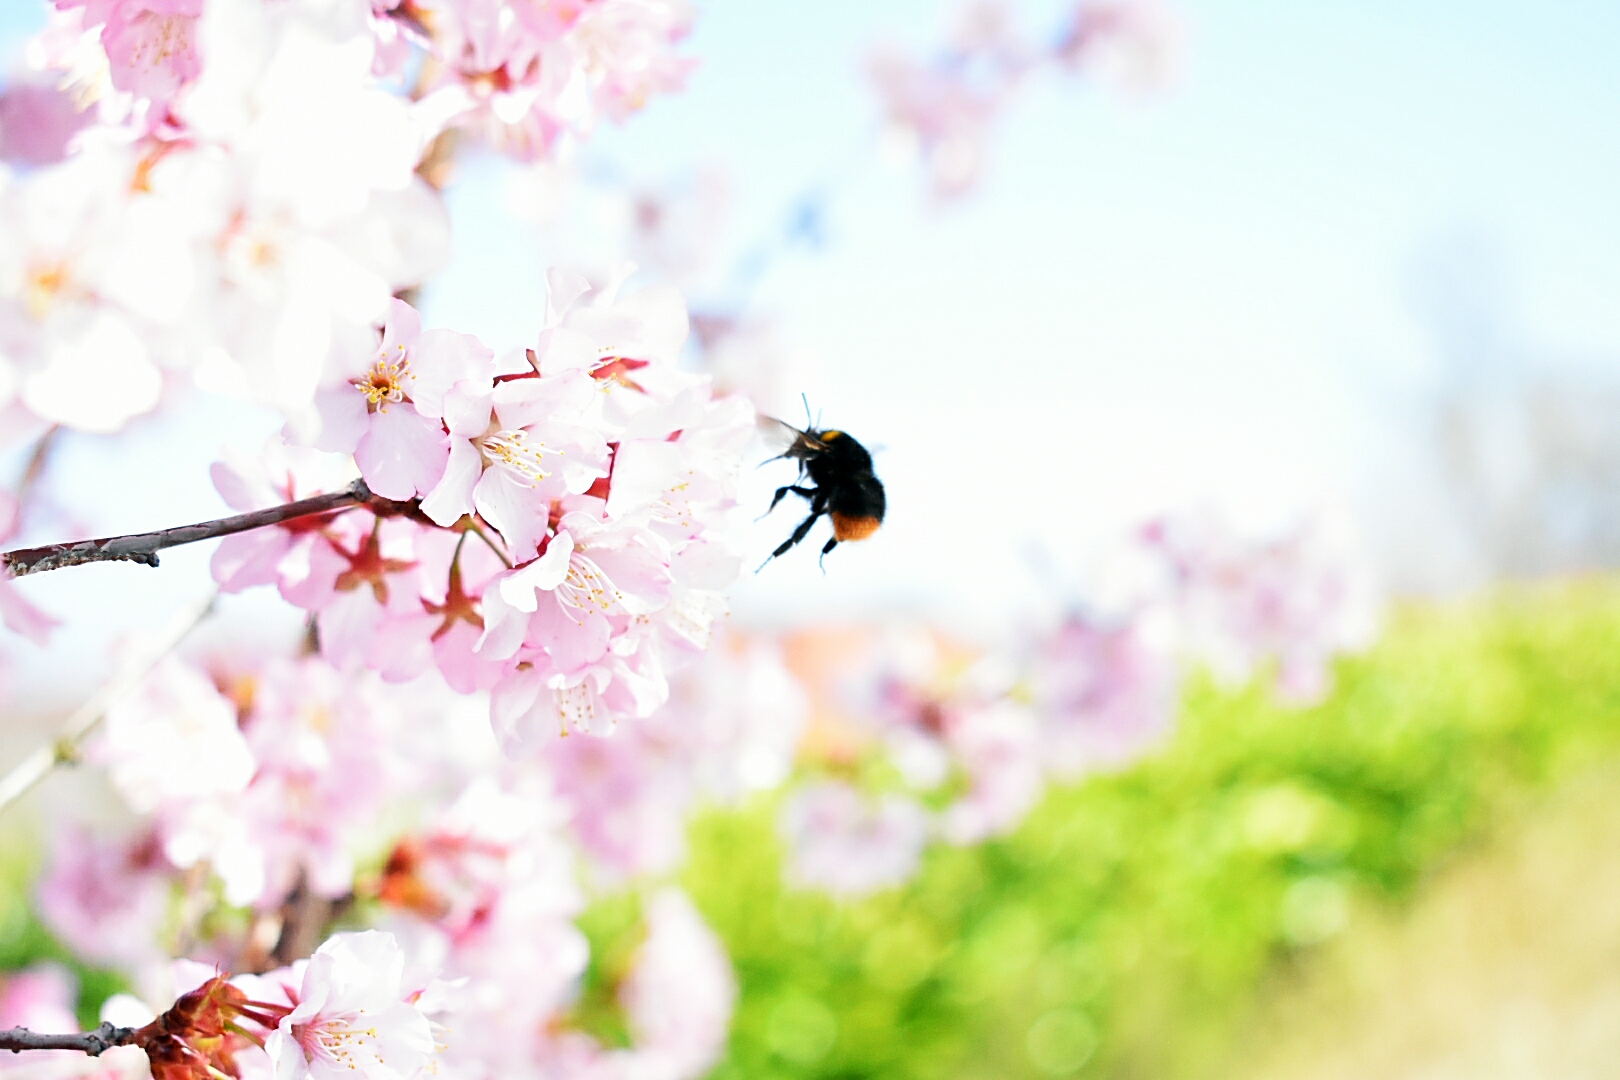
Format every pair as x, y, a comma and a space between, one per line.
25, 941
1126, 928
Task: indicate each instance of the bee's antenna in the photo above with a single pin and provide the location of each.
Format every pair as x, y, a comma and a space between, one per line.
806, 399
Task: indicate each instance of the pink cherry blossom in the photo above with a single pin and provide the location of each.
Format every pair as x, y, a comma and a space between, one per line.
40, 997
945, 107
174, 740
278, 555
515, 449
849, 844
1103, 691
37, 123
999, 748
353, 1015
390, 413
547, 70
1296, 600
680, 992
328, 762
1135, 43
151, 44
106, 898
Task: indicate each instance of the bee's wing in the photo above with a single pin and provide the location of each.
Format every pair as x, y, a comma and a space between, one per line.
782, 436
777, 434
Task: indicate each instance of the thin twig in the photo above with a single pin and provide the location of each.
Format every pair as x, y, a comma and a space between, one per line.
143, 547
478, 531
34, 471
65, 747
91, 1042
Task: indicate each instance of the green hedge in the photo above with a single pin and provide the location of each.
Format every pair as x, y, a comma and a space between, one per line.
1126, 928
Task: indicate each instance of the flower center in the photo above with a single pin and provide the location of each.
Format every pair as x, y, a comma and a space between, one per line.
385, 382
586, 588
333, 1038
45, 284
516, 451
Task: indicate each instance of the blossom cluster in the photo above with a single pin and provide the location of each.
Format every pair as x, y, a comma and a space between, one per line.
553, 526
273, 801
957, 743
233, 190
943, 109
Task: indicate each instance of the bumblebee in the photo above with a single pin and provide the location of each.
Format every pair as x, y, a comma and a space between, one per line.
841, 485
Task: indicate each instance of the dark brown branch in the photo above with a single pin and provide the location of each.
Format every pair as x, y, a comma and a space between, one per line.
143, 547
91, 1042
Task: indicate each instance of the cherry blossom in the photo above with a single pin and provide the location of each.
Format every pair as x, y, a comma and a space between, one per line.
37, 124
942, 109
174, 740
514, 450
545, 71
849, 844
1295, 600
283, 473
679, 995
1103, 690
1132, 42
353, 1014
106, 898
40, 997
151, 44
390, 413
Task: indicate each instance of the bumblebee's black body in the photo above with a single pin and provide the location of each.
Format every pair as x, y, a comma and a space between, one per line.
841, 486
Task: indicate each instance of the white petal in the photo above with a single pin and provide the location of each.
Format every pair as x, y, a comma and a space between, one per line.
547, 572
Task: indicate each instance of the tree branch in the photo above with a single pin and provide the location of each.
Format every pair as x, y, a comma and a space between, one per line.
143, 547
91, 1042
65, 747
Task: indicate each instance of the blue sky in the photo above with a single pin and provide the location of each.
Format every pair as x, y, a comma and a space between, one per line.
1214, 296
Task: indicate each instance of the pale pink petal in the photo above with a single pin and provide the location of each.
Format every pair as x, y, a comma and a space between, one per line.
452, 496
518, 511
504, 627
22, 617
521, 587
441, 360
152, 53
346, 626
517, 705
403, 454
344, 419
573, 639
400, 332
250, 558
464, 670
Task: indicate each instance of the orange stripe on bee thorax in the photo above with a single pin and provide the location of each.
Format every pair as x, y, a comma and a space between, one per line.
846, 527
828, 436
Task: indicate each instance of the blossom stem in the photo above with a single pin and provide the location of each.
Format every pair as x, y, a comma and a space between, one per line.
91, 1042
65, 747
143, 547
489, 541
37, 461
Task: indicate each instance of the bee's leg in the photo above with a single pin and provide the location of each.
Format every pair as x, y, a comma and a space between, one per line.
822, 562
803, 493
798, 534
